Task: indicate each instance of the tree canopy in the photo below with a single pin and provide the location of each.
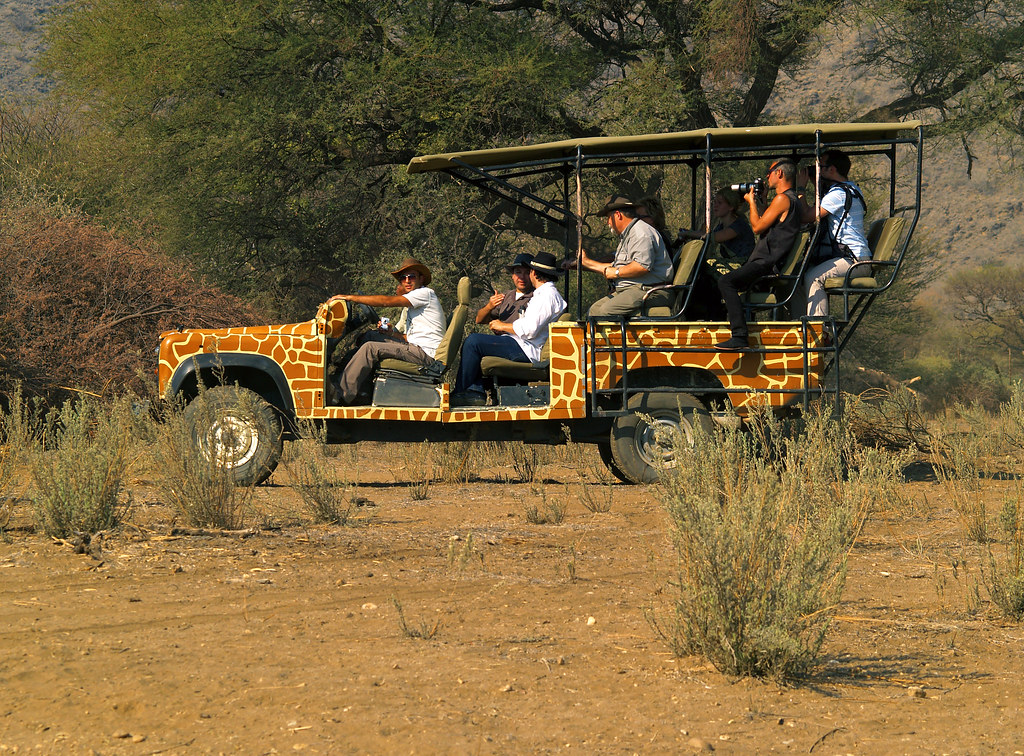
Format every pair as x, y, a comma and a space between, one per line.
266, 139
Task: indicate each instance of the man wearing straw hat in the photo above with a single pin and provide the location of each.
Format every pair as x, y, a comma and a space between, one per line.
519, 340
641, 260
425, 325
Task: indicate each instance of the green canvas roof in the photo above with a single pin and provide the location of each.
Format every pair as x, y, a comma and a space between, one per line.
661, 143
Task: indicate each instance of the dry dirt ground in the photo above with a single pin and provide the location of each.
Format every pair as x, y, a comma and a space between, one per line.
290, 640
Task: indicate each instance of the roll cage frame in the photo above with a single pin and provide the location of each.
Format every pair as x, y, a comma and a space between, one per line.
506, 173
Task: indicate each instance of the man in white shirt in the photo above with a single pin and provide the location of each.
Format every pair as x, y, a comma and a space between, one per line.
425, 325
843, 242
519, 340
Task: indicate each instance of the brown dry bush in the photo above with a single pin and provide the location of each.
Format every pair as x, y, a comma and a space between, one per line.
83, 309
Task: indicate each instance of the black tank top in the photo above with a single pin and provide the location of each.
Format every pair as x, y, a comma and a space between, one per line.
776, 244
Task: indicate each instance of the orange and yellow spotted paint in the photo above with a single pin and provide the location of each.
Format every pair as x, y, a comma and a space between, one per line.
299, 350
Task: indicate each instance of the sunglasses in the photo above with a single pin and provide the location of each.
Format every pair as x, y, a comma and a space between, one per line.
408, 276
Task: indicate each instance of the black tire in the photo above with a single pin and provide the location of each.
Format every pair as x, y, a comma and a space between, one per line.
243, 429
637, 447
604, 448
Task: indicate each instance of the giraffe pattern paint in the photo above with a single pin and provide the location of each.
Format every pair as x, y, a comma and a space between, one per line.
300, 351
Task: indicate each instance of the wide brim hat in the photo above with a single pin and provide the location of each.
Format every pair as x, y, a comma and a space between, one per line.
545, 263
411, 263
616, 202
522, 260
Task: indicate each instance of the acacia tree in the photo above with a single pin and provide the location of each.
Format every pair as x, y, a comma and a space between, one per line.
267, 139
957, 61
990, 299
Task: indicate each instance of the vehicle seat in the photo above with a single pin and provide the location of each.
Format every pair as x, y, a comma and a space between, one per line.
887, 233
686, 269
452, 341
499, 368
778, 289
864, 277
335, 317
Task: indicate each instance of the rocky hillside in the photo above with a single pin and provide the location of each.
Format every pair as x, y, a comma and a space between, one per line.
971, 219
21, 23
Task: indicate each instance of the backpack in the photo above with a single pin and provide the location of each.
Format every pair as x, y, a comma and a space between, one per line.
829, 248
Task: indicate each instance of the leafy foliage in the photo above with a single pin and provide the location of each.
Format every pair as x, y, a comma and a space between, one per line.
79, 465
990, 299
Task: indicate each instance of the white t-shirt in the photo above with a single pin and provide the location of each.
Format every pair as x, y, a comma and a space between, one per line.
530, 330
851, 233
425, 323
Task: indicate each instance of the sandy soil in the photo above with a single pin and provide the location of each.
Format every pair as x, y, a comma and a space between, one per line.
290, 640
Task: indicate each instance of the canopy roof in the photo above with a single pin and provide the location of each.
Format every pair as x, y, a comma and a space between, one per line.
680, 141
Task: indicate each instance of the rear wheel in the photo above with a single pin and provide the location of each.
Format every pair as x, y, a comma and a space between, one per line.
238, 429
641, 441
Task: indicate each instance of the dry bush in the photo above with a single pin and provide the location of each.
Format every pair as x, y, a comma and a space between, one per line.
763, 540
584, 460
201, 489
415, 466
889, 419
961, 457
1004, 576
423, 630
18, 427
325, 475
550, 511
79, 465
84, 309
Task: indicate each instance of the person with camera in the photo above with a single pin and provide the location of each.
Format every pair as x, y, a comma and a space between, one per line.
519, 340
512, 303
425, 325
842, 241
732, 231
777, 228
641, 260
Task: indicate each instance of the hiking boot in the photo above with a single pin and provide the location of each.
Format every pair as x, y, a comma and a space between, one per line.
735, 344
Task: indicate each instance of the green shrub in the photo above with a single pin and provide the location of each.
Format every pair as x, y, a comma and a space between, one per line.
763, 523
78, 467
1004, 577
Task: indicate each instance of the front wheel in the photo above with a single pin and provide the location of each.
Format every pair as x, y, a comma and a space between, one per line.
239, 430
642, 440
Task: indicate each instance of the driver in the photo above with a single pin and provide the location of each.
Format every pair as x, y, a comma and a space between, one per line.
424, 329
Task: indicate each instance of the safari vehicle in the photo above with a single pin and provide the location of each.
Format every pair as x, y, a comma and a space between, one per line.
616, 383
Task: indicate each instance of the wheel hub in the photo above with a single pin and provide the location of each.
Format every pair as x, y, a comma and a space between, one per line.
654, 440
233, 441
